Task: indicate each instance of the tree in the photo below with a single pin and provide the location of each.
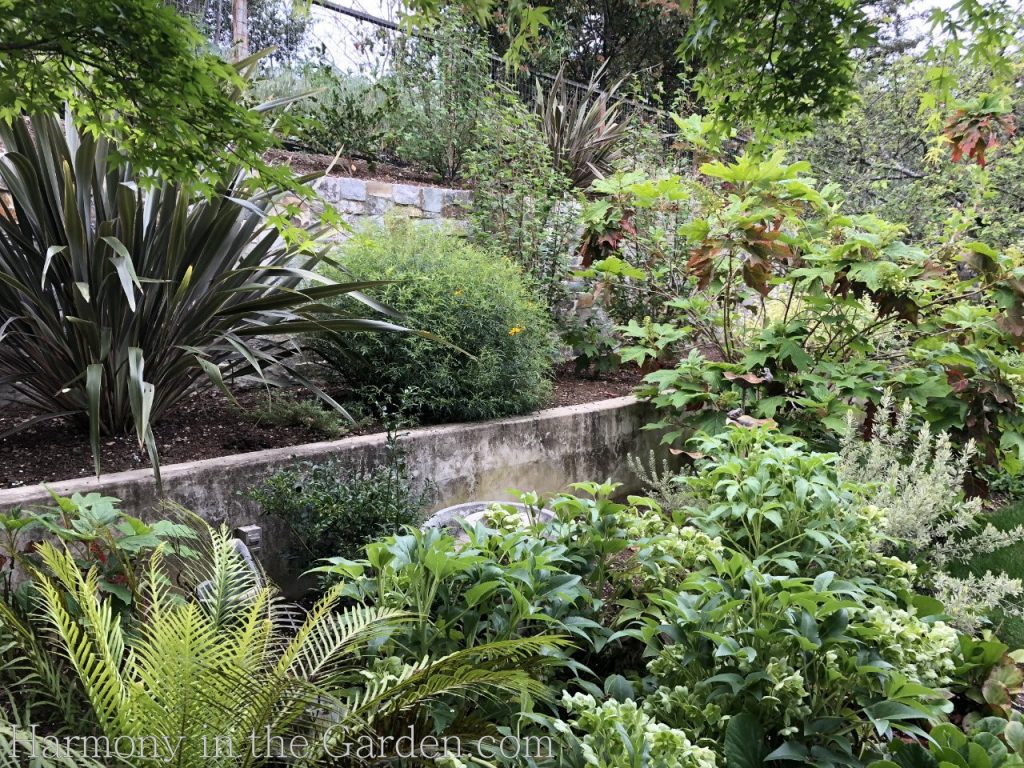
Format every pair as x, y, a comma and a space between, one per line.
634, 39
777, 64
887, 157
130, 69
277, 24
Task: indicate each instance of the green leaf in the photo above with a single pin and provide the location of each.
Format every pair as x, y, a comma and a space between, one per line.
480, 591
140, 393
744, 742
125, 269
93, 391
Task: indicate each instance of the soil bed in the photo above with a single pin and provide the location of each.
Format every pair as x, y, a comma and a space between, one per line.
206, 425
309, 162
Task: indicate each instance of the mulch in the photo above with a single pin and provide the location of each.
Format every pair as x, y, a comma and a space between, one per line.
206, 425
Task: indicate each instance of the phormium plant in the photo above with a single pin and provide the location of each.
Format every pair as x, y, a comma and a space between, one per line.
119, 294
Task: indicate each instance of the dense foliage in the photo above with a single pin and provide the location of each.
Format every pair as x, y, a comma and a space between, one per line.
885, 155
521, 205
333, 510
584, 128
439, 82
794, 310
135, 71
347, 114
833, 351
215, 666
492, 353
754, 618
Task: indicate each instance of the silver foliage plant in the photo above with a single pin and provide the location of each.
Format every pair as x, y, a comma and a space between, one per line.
916, 479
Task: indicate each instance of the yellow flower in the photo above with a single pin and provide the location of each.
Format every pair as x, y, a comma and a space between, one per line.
458, 291
514, 330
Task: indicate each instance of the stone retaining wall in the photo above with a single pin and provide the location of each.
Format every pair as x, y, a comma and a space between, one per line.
367, 200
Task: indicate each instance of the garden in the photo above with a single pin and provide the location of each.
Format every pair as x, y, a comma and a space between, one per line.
489, 384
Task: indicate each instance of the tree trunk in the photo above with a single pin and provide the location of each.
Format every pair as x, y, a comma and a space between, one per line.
240, 28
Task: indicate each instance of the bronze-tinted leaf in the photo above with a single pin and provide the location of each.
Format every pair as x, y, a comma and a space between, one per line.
749, 378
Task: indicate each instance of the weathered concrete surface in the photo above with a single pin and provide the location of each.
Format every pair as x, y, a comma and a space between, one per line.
544, 451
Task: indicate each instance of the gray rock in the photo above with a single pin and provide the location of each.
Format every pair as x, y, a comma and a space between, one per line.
405, 194
433, 200
351, 189
353, 207
460, 197
377, 206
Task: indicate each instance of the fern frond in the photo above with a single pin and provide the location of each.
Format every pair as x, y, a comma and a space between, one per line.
228, 580
326, 638
487, 671
94, 645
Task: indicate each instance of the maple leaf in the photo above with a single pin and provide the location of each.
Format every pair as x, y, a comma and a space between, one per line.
973, 132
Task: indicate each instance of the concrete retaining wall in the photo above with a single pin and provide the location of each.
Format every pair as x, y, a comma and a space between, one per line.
545, 451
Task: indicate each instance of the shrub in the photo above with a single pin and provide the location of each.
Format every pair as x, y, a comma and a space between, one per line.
768, 497
797, 311
821, 667
584, 129
502, 586
332, 510
917, 481
462, 294
633, 242
805, 659
348, 113
620, 733
439, 81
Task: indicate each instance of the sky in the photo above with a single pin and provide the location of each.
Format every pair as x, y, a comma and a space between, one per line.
340, 34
